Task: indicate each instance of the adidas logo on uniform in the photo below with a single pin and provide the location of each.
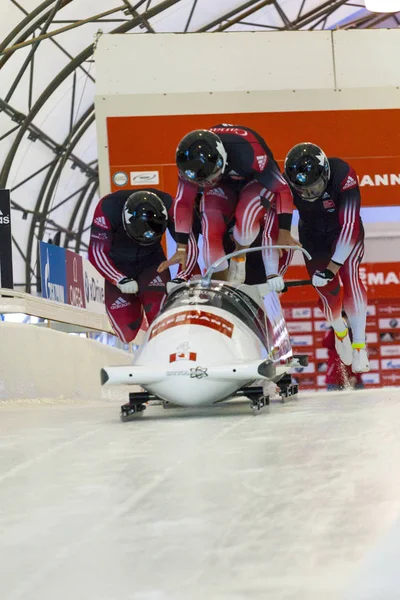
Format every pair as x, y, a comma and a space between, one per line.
262, 161
101, 222
156, 282
326, 195
350, 183
119, 303
216, 192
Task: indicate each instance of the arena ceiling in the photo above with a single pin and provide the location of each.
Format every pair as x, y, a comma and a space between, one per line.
48, 153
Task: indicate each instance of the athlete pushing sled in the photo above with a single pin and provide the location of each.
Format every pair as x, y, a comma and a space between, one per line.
125, 247
327, 196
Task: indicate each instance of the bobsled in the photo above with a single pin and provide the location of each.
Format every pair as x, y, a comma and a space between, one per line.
210, 342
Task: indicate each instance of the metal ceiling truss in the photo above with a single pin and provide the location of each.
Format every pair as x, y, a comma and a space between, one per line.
45, 23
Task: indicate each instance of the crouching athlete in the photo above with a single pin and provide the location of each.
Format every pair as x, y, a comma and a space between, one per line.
125, 248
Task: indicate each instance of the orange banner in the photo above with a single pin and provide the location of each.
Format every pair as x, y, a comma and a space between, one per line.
142, 149
382, 281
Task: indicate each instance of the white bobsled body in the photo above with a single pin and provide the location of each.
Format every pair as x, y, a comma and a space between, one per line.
209, 342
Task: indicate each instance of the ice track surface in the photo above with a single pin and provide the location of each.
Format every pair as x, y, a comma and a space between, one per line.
215, 504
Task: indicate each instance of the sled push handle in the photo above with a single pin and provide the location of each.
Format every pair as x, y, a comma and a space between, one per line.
298, 283
206, 280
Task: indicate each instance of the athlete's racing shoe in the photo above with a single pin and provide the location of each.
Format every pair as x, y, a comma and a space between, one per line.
360, 362
343, 347
237, 270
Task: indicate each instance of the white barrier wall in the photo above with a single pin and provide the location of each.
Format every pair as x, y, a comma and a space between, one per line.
37, 363
250, 72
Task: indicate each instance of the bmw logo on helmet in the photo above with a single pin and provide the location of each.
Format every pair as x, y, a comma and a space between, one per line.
301, 177
190, 174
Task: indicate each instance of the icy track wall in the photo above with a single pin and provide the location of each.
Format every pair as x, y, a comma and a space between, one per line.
338, 89
39, 363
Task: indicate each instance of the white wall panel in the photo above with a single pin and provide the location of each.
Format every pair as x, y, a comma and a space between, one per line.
367, 58
213, 62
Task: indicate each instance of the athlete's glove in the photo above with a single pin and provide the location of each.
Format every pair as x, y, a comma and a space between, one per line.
322, 278
128, 286
275, 283
237, 270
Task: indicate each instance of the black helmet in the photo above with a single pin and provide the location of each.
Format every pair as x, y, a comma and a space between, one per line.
144, 217
308, 171
201, 157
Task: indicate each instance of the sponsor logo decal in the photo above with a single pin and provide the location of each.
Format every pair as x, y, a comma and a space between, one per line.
101, 222
328, 204
390, 363
392, 378
94, 290
119, 303
389, 310
100, 236
178, 373
193, 317
157, 282
301, 313
120, 178
182, 356
387, 179
229, 129
371, 378
321, 326
390, 350
216, 192
145, 177
261, 161
379, 277
301, 340
302, 327
350, 183
392, 323
4, 219
198, 373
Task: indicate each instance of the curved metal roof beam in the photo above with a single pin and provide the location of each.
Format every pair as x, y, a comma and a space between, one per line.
78, 205
38, 214
36, 25
50, 184
63, 159
84, 214
55, 32
63, 74
30, 16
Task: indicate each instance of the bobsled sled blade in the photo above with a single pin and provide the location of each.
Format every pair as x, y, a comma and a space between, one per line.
103, 376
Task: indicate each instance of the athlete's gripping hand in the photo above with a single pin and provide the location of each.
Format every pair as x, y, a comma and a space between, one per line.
322, 278
285, 239
128, 286
180, 257
275, 283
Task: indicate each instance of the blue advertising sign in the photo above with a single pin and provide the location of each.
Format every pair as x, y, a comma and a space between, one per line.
53, 268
